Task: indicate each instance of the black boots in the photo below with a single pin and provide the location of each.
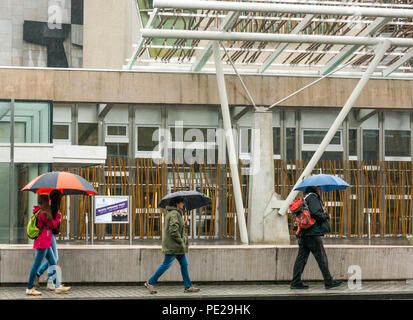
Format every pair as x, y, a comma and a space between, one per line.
300, 286
333, 284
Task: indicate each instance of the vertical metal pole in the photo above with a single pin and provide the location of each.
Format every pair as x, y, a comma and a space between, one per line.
346, 173
360, 158
380, 51
369, 225
11, 177
131, 132
92, 216
283, 151
222, 158
87, 228
230, 144
130, 220
297, 135
382, 186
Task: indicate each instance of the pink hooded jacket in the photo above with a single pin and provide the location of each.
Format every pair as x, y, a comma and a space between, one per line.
44, 240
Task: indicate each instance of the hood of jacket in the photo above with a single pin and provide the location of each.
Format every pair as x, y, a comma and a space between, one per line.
311, 190
170, 208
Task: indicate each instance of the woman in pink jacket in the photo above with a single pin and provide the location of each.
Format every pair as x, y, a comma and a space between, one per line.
45, 223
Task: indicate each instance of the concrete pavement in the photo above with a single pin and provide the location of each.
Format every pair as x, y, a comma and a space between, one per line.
250, 291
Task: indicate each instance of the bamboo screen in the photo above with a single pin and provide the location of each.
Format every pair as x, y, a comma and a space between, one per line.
379, 199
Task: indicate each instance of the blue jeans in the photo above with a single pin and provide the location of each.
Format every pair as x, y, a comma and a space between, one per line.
40, 255
46, 264
167, 262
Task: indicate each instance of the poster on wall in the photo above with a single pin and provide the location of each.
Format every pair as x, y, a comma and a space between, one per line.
111, 209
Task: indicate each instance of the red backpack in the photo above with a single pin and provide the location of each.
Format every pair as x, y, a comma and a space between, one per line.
303, 218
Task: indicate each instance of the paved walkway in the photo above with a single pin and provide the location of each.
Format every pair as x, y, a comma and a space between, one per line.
372, 290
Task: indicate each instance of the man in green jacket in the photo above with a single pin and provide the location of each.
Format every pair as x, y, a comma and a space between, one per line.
174, 245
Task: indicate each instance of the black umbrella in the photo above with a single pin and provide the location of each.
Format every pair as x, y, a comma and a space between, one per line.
193, 199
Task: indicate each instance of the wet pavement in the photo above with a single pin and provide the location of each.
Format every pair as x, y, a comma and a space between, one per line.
250, 291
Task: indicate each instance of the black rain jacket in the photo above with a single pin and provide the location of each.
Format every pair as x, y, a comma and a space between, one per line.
315, 206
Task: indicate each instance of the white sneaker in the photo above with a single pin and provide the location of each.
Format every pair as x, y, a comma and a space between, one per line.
50, 286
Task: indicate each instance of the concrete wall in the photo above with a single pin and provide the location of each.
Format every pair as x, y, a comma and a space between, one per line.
14, 51
193, 89
114, 263
109, 32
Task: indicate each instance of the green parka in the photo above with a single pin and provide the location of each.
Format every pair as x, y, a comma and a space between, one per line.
174, 238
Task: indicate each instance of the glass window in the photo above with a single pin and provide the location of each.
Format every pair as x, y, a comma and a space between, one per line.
317, 136
61, 132
148, 139
397, 143
352, 142
19, 132
208, 134
370, 145
32, 122
117, 130
117, 150
327, 155
290, 139
5, 204
276, 140
245, 140
88, 134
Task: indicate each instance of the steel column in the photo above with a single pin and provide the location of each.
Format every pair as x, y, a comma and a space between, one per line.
11, 177
230, 144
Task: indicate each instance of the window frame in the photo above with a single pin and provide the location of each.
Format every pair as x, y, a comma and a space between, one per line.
243, 155
197, 145
246, 156
314, 147
396, 158
63, 141
147, 154
116, 139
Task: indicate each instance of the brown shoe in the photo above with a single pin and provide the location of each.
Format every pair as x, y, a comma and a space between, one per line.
150, 287
191, 289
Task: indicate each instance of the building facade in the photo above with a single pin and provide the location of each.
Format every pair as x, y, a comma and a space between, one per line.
146, 133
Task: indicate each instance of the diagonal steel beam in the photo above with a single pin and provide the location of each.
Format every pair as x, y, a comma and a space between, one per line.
4, 112
344, 54
142, 40
103, 110
226, 118
393, 67
380, 52
298, 28
226, 25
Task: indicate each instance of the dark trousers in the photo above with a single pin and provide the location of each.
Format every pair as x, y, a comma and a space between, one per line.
313, 244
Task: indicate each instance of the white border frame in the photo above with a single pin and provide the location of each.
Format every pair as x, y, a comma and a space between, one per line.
313, 147
63, 141
116, 139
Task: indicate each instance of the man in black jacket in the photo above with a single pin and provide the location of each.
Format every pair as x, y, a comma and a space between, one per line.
309, 240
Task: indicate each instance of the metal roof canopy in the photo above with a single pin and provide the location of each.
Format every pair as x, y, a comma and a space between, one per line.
270, 37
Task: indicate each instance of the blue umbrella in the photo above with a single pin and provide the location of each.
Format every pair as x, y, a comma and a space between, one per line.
325, 181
